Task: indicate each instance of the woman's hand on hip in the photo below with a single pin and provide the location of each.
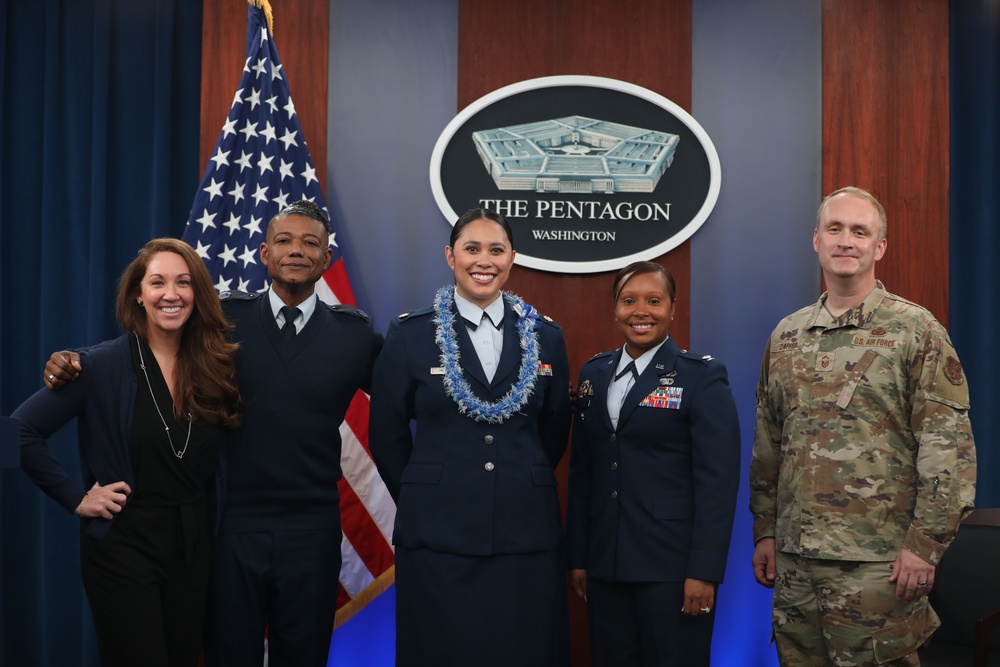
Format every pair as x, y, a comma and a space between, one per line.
103, 501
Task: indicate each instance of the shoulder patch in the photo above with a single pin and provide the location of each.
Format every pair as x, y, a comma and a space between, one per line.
344, 309
950, 386
953, 371
236, 295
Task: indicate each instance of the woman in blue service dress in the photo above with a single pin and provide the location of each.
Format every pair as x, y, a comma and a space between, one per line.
150, 405
479, 574
653, 478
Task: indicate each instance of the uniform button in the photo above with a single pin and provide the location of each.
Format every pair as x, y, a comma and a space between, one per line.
488, 440
614, 495
489, 466
614, 465
614, 437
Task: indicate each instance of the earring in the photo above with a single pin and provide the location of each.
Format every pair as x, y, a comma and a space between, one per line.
141, 304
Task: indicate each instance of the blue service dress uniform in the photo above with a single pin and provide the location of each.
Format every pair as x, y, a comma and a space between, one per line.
478, 532
651, 503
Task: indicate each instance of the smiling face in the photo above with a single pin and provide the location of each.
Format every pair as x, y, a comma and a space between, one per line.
296, 254
643, 312
166, 294
481, 259
847, 240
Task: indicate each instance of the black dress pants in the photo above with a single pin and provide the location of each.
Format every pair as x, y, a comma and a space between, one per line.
640, 624
285, 581
147, 583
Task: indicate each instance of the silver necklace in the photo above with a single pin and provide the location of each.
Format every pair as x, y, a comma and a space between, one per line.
142, 365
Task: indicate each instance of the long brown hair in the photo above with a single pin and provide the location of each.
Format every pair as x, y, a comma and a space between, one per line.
206, 370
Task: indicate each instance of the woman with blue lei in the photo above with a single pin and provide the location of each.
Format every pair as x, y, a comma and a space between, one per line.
479, 574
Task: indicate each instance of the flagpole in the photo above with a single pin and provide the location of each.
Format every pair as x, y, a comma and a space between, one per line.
265, 7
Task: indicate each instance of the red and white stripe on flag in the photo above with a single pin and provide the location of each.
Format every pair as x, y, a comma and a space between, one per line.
367, 511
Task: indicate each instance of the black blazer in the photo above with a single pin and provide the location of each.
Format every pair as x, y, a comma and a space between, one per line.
462, 486
654, 500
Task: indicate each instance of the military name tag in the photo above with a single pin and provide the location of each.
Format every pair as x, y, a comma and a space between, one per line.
437, 370
784, 346
874, 341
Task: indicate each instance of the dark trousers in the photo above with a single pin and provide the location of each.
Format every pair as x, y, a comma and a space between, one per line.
284, 581
641, 625
146, 583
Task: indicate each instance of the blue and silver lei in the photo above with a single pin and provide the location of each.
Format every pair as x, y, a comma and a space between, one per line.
455, 384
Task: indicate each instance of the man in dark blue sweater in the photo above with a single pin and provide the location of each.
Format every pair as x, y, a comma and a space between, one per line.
277, 556
276, 562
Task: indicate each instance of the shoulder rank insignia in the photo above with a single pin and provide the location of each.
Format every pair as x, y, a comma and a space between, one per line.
345, 309
237, 295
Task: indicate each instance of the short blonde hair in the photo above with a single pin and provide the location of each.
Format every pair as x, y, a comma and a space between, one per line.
860, 193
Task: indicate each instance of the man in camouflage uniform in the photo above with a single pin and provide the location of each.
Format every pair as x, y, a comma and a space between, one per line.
863, 460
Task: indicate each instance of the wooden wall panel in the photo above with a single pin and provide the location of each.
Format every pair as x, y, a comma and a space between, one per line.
301, 33
646, 42
885, 128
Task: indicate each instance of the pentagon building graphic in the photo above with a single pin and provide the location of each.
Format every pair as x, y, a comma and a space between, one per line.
576, 154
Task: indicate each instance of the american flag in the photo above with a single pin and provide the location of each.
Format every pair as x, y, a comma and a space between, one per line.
259, 165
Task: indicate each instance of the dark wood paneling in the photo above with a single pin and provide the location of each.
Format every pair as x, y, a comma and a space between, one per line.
885, 128
301, 33
646, 43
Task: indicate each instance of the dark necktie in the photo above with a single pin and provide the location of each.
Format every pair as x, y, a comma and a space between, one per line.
485, 319
290, 313
628, 369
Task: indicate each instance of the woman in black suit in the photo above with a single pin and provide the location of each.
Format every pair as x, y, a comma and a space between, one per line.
150, 408
479, 579
652, 485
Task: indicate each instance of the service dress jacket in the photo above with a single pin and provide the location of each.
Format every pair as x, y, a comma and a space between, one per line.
654, 499
463, 486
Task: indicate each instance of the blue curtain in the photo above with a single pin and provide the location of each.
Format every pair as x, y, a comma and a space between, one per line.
99, 137
975, 223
